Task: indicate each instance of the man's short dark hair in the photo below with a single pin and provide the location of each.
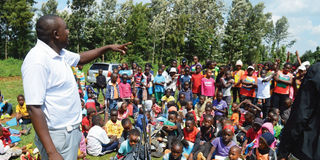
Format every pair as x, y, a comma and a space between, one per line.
44, 27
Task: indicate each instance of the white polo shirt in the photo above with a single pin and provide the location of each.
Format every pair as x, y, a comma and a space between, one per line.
48, 81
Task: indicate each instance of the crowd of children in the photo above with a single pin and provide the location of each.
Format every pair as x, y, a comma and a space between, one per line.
197, 112
189, 112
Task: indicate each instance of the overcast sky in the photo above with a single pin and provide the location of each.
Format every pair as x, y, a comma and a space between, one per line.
303, 16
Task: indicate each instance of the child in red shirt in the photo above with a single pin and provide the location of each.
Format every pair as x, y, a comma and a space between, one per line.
5, 136
191, 132
86, 123
196, 81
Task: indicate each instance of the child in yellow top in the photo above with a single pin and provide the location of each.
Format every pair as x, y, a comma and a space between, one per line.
113, 127
21, 111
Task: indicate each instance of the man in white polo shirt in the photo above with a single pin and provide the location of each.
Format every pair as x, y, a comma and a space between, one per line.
50, 89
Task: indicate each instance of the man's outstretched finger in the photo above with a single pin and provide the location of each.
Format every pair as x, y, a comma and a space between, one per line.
129, 43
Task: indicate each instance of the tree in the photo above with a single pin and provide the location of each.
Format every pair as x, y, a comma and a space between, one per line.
16, 27
49, 7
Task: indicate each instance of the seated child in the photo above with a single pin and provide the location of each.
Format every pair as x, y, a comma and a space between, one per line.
176, 151
138, 123
191, 132
276, 126
286, 110
155, 109
235, 117
172, 106
166, 98
123, 111
200, 148
127, 145
266, 127
221, 145
127, 127
86, 123
208, 111
113, 126
5, 107
200, 106
22, 114
242, 130
181, 98
234, 153
5, 137
91, 103
189, 109
252, 133
98, 140
173, 128
220, 107
264, 150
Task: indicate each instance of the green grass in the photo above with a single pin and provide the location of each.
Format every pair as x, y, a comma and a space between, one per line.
10, 67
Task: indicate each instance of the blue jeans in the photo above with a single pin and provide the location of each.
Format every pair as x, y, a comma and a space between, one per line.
7, 108
109, 147
113, 103
139, 93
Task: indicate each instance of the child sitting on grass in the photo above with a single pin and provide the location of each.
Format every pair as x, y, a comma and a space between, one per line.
208, 111
234, 153
176, 151
189, 109
22, 114
235, 117
166, 98
113, 126
206, 136
127, 145
264, 150
98, 141
123, 111
86, 123
155, 109
173, 128
221, 145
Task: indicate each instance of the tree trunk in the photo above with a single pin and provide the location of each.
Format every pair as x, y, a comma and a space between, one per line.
6, 48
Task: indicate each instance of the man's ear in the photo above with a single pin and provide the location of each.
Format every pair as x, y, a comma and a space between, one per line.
55, 34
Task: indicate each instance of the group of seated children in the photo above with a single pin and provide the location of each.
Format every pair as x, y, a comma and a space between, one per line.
183, 130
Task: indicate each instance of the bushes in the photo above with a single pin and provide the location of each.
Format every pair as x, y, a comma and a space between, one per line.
10, 67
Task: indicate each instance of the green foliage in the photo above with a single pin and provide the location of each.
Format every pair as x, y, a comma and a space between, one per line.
10, 67
16, 28
312, 57
49, 7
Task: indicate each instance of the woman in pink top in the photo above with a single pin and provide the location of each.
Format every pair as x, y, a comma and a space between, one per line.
125, 88
207, 85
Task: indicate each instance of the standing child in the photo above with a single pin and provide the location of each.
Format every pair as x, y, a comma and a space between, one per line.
185, 78
196, 82
172, 80
237, 74
186, 91
263, 93
112, 93
139, 80
148, 81
159, 82
113, 126
248, 85
226, 83
98, 141
222, 145
207, 85
125, 88
101, 83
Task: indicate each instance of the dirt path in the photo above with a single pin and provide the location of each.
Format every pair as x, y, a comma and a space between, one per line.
10, 78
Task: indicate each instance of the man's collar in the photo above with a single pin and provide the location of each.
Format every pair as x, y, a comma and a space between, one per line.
49, 50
